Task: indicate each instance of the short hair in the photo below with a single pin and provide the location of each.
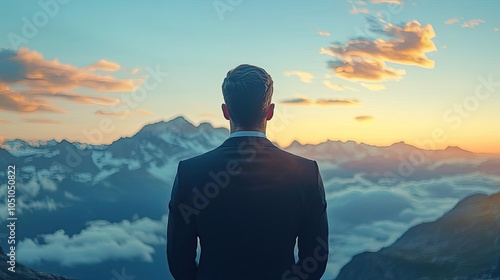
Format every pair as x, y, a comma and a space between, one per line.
247, 92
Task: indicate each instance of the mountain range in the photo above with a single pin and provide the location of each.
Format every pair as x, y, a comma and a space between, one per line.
95, 211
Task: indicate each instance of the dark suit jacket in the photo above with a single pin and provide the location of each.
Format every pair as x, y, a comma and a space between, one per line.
247, 201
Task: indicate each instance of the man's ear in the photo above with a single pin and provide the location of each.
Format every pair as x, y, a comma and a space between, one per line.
225, 112
270, 112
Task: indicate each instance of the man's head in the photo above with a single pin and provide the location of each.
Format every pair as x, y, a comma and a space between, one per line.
247, 91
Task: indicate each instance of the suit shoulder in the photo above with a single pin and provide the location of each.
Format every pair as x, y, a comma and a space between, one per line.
200, 158
297, 157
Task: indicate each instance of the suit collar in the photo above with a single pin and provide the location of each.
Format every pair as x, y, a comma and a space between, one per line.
247, 133
247, 140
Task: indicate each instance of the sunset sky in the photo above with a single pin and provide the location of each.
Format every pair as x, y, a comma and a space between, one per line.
424, 72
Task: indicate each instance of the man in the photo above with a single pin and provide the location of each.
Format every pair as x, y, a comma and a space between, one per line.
247, 201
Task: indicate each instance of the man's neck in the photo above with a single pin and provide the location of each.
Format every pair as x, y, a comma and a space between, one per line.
248, 129
256, 128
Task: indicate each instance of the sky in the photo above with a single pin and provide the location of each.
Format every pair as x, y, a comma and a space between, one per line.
374, 71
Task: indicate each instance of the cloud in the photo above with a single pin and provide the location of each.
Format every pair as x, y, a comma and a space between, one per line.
377, 229
17, 102
32, 188
363, 118
79, 98
496, 29
354, 207
309, 101
355, 10
109, 113
46, 204
365, 60
135, 71
409, 46
395, 2
71, 196
42, 79
45, 181
364, 69
139, 112
366, 216
34, 71
299, 101
101, 241
303, 76
340, 102
335, 86
472, 23
451, 21
468, 24
42, 121
104, 65
324, 33
373, 87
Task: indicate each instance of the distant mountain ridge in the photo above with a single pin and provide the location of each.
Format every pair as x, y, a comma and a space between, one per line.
179, 126
463, 244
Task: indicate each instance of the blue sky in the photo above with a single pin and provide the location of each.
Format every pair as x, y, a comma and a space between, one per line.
197, 42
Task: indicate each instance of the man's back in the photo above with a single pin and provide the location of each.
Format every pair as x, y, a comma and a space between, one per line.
247, 201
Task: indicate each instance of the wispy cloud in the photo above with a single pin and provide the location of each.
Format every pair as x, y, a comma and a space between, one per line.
135, 71
496, 29
17, 102
303, 100
112, 113
365, 60
43, 80
139, 112
338, 102
334, 86
451, 21
104, 65
373, 87
41, 121
324, 33
355, 10
466, 24
79, 98
472, 23
303, 76
363, 118
395, 2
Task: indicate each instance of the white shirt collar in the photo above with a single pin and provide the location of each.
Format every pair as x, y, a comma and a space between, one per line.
247, 133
